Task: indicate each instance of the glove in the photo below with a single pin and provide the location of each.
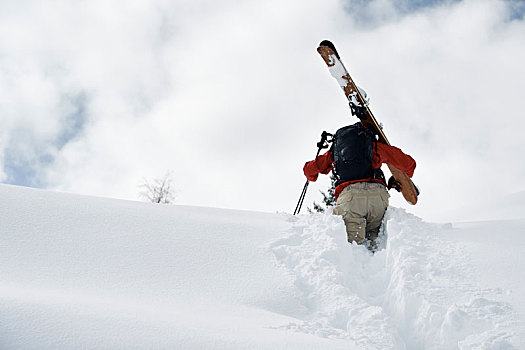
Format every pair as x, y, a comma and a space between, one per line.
392, 183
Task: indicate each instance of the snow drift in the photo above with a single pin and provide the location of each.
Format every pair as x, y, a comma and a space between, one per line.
93, 273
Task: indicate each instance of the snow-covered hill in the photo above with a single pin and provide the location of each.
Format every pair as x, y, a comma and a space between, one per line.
94, 273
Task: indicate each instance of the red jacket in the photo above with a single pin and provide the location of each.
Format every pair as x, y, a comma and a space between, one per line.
385, 154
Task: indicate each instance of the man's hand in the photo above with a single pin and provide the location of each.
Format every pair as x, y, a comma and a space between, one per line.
392, 183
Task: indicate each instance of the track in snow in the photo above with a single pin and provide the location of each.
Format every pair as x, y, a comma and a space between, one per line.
417, 293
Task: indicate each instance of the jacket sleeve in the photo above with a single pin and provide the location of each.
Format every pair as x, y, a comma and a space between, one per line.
395, 157
320, 165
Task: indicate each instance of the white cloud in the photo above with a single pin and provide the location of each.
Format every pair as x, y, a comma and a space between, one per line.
232, 96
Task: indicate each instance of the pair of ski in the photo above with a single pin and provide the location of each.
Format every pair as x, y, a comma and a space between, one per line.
329, 54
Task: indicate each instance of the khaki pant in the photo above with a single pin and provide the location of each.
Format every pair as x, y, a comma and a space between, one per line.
362, 206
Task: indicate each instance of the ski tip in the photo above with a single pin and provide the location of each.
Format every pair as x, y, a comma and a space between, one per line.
329, 44
418, 191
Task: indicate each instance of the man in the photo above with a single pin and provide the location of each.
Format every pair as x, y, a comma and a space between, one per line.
362, 198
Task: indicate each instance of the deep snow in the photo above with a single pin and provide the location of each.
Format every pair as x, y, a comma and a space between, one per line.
94, 273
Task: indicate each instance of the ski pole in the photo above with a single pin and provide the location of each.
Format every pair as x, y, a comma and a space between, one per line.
320, 145
301, 198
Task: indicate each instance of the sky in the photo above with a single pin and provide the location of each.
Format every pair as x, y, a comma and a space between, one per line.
231, 97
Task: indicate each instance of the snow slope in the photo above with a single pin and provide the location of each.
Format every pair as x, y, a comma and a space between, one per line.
94, 273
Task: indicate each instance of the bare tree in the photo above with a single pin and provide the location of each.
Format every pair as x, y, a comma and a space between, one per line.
158, 190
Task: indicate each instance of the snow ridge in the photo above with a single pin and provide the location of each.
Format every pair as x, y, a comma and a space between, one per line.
417, 293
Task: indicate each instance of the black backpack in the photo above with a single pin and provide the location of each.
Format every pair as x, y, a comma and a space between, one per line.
353, 151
